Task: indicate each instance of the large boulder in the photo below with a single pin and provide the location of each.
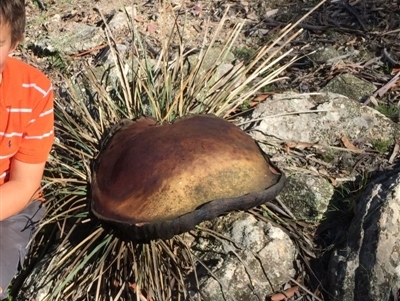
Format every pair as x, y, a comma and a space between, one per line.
320, 122
367, 268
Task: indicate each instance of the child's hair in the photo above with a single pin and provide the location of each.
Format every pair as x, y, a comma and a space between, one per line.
12, 13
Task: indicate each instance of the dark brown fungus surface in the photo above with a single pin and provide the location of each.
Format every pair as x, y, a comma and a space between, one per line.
156, 181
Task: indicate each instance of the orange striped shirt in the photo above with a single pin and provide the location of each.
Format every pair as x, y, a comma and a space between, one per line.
26, 115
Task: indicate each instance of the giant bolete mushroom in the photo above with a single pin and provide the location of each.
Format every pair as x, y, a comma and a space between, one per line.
158, 180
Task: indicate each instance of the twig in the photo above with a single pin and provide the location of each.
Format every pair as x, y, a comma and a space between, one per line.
90, 50
337, 148
348, 179
285, 114
387, 86
391, 31
341, 57
355, 14
389, 58
319, 161
380, 92
394, 153
295, 144
278, 199
271, 22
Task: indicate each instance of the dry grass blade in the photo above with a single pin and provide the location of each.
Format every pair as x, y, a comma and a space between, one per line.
123, 79
81, 263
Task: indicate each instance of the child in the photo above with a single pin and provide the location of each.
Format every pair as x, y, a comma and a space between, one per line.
26, 136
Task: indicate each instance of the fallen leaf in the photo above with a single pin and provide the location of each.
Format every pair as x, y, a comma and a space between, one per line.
139, 19
197, 11
252, 17
261, 97
133, 286
288, 293
151, 27
396, 151
352, 42
298, 144
333, 182
350, 145
271, 13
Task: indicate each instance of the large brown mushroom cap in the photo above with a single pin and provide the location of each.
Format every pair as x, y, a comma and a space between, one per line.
149, 173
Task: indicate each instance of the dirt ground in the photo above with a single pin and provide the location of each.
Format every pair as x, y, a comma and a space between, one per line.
371, 28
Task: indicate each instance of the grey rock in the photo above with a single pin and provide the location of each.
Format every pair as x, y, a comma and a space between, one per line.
350, 86
330, 55
76, 38
254, 258
39, 285
290, 117
211, 58
367, 268
215, 58
108, 68
307, 196
324, 54
121, 20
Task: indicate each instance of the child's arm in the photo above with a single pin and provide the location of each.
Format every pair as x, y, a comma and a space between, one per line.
15, 194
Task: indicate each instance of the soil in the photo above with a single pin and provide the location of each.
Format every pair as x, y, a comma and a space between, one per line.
370, 28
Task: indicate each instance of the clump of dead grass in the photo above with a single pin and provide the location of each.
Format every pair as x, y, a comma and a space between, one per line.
90, 261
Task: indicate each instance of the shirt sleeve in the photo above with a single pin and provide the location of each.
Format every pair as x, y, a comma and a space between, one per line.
38, 136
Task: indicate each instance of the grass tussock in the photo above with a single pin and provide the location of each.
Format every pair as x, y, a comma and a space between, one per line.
89, 261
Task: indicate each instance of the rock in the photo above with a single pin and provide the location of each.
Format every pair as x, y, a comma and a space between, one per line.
367, 268
39, 284
121, 20
107, 65
307, 196
224, 64
350, 86
254, 259
338, 116
76, 38
345, 84
325, 54
330, 55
